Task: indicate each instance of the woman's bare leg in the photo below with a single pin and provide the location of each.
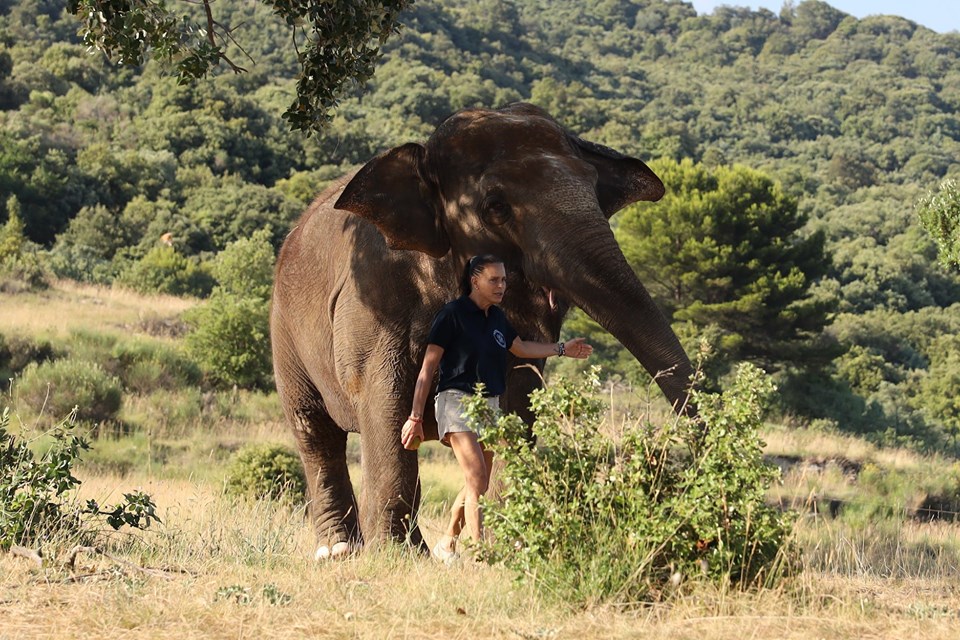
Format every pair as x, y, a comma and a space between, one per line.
448, 542
455, 526
476, 478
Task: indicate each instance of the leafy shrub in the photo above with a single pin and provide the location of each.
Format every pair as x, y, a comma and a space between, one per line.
12, 236
163, 270
229, 336
147, 366
60, 385
21, 266
230, 340
245, 267
940, 215
142, 365
81, 263
91, 344
34, 500
266, 471
939, 394
593, 516
26, 271
17, 352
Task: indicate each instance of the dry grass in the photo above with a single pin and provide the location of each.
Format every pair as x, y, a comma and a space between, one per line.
261, 549
806, 443
879, 580
67, 306
250, 576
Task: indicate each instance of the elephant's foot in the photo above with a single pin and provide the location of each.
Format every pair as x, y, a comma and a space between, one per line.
338, 550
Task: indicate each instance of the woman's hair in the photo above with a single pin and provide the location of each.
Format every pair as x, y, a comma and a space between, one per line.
475, 265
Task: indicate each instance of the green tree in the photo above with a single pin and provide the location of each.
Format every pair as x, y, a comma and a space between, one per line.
939, 395
724, 248
231, 210
12, 237
22, 265
229, 334
940, 216
98, 229
230, 339
343, 44
245, 267
164, 270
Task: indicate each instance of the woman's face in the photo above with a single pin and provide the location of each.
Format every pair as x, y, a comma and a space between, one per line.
490, 284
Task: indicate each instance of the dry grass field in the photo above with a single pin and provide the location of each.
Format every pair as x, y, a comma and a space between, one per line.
218, 567
69, 306
243, 570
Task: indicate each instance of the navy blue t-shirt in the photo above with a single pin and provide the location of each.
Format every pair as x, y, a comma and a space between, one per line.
474, 345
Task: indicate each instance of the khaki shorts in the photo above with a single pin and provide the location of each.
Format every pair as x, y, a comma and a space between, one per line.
450, 418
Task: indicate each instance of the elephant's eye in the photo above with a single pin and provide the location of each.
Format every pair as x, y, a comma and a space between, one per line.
496, 212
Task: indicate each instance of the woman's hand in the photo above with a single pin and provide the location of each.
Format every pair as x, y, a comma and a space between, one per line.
577, 348
412, 433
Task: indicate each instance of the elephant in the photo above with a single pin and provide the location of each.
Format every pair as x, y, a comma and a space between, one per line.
360, 277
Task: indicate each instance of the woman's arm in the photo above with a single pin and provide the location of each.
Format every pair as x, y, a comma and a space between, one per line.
412, 433
575, 348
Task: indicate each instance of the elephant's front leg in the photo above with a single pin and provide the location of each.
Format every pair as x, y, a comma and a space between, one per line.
390, 498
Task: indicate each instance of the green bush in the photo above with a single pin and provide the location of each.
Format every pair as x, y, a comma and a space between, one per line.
35, 504
146, 366
81, 263
266, 471
26, 271
22, 268
230, 333
91, 344
245, 266
12, 236
163, 270
60, 385
17, 352
143, 365
230, 340
940, 215
593, 516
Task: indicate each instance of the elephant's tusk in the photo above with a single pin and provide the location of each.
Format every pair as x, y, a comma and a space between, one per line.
550, 299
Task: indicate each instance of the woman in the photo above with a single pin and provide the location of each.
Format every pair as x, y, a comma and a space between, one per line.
469, 340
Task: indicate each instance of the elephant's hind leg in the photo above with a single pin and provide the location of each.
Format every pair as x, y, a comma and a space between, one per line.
323, 449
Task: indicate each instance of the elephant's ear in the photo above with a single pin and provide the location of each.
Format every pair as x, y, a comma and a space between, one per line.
391, 192
622, 179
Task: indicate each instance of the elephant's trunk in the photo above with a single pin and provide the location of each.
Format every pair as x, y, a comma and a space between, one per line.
605, 287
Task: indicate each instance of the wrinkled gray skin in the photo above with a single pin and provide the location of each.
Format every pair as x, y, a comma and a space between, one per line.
374, 258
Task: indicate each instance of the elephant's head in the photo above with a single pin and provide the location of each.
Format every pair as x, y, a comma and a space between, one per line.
515, 183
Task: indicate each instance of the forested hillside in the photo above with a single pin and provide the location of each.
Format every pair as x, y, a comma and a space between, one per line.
851, 121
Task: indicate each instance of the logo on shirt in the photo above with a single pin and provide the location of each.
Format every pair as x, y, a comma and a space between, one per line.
499, 338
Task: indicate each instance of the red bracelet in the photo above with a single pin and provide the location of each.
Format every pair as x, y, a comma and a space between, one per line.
415, 419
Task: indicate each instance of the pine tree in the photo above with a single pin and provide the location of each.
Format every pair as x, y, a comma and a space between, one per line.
724, 248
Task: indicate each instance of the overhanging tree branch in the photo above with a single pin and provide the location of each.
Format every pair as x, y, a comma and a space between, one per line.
343, 43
